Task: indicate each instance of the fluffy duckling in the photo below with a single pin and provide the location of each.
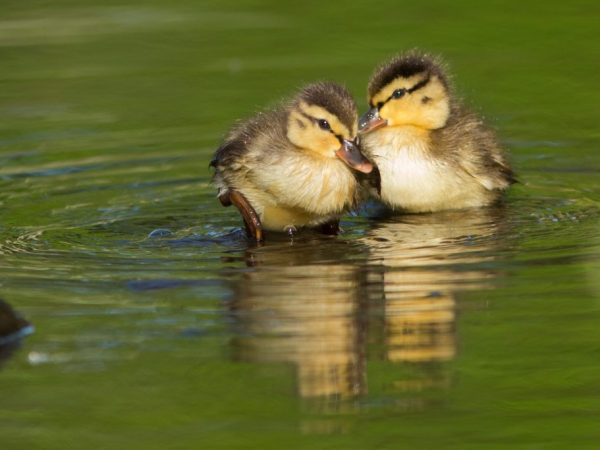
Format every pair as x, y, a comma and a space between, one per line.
291, 167
431, 152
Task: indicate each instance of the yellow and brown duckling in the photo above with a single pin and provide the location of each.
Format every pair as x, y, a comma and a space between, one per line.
431, 152
291, 167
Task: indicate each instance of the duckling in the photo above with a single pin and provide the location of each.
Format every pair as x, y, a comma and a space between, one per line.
291, 167
431, 153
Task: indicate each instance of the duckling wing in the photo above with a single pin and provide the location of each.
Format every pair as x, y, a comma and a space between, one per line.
477, 150
246, 141
258, 164
229, 153
487, 165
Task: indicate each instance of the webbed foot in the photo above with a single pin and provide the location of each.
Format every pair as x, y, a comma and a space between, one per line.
251, 220
331, 228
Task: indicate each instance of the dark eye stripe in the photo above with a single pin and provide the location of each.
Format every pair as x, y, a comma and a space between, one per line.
339, 137
419, 85
395, 94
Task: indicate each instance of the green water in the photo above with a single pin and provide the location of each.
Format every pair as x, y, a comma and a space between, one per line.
475, 330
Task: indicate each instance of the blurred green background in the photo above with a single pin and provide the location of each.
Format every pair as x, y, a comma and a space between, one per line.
462, 331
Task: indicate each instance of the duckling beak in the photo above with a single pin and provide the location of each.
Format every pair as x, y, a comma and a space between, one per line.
351, 155
370, 121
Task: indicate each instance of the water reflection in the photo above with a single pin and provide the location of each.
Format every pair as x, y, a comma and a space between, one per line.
421, 262
393, 298
297, 306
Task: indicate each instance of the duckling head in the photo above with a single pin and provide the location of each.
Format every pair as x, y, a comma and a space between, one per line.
411, 89
322, 120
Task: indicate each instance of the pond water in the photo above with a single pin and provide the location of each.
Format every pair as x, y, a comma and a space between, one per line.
158, 326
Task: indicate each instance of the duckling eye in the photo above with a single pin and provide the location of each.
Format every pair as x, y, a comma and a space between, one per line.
399, 93
324, 124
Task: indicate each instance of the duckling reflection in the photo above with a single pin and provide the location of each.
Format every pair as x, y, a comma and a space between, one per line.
298, 305
424, 260
319, 304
